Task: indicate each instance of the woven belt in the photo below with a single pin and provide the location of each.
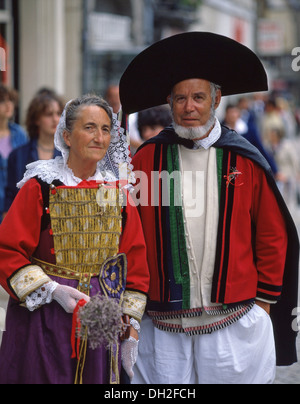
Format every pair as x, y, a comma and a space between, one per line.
62, 272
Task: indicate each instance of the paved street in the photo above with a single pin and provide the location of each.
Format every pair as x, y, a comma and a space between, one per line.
291, 374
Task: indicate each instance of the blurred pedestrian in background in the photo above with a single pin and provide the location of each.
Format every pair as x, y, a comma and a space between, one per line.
147, 124
239, 117
12, 135
152, 121
42, 118
271, 120
287, 158
113, 98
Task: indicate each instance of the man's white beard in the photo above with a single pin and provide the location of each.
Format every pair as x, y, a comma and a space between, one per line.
197, 132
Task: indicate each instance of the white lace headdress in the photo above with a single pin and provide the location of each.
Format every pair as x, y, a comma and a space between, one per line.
116, 165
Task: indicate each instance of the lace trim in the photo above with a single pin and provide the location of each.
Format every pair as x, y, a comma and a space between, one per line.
118, 154
41, 296
50, 170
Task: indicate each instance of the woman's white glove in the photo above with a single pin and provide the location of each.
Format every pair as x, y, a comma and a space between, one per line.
68, 297
129, 349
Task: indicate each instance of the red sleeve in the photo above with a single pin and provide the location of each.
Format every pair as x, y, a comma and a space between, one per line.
20, 232
143, 163
271, 239
132, 243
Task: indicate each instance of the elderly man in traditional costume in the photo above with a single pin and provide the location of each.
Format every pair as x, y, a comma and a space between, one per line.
223, 250
68, 237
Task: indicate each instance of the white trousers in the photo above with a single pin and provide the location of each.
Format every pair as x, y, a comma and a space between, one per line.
242, 353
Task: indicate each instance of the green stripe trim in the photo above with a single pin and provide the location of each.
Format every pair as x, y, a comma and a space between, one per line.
220, 154
173, 223
178, 243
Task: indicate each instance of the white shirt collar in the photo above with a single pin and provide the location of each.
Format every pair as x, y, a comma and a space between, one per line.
211, 139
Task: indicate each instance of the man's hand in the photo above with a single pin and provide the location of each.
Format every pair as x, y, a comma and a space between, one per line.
265, 306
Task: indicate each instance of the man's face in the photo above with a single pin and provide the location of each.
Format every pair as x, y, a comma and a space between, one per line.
192, 103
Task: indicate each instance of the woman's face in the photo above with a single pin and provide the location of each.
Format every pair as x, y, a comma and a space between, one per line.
7, 109
90, 136
47, 122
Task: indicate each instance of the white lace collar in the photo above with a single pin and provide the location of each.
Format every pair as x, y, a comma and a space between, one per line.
50, 170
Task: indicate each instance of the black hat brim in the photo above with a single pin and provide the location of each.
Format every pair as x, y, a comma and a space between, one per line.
150, 77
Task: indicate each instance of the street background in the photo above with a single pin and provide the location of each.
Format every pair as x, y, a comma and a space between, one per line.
291, 374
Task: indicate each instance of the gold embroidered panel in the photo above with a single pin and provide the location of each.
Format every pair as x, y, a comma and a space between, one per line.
86, 225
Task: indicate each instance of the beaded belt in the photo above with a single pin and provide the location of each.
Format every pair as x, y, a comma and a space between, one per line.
62, 272
112, 275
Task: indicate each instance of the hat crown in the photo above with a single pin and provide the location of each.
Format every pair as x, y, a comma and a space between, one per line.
150, 77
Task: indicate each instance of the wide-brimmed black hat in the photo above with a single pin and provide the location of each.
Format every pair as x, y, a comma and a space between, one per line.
150, 77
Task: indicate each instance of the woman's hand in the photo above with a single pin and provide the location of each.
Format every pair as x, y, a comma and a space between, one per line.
129, 331
129, 347
68, 297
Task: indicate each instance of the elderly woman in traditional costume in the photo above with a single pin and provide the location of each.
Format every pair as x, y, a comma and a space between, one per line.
69, 237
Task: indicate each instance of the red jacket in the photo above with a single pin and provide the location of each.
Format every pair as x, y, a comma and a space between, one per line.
257, 251
252, 236
21, 238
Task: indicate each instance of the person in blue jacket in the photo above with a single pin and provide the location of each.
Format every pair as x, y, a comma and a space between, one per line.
42, 119
242, 121
12, 135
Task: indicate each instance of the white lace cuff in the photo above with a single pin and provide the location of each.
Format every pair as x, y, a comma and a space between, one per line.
135, 324
41, 296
